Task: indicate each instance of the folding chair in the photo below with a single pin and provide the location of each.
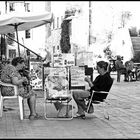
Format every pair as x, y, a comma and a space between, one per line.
61, 96
100, 97
20, 99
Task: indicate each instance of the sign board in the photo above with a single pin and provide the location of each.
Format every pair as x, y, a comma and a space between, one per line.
77, 76
84, 58
36, 75
69, 59
58, 60
56, 82
63, 59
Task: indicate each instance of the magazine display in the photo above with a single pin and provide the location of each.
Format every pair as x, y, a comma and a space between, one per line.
36, 75
56, 82
77, 76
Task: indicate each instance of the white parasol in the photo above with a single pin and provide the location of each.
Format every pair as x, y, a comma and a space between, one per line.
14, 22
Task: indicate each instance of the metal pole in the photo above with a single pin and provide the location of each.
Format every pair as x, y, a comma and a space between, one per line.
23, 46
89, 23
17, 40
48, 26
5, 6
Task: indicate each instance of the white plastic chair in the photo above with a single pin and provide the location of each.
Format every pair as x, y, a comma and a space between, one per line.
20, 99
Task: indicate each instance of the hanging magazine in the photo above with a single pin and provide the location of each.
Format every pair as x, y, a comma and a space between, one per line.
36, 75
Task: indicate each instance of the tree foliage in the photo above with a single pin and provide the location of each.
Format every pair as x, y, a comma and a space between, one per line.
65, 36
108, 52
125, 16
3, 45
65, 39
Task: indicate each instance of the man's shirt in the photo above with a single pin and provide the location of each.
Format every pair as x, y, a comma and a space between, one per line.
102, 83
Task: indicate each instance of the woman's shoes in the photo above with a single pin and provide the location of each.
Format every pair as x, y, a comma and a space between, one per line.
5, 109
34, 117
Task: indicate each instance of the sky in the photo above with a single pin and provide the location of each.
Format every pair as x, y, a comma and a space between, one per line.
102, 11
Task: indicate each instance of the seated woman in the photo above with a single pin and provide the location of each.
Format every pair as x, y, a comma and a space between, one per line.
102, 82
10, 74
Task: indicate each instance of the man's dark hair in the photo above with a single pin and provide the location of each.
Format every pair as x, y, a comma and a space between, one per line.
102, 64
119, 57
17, 60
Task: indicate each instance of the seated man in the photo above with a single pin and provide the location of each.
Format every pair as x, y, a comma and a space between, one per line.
120, 68
102, 82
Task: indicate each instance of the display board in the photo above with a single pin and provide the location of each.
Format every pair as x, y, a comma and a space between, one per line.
69, 59
77, 77
63, 59
58, 60
56, 82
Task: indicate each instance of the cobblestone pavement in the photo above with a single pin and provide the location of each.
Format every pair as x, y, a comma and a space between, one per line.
124, 122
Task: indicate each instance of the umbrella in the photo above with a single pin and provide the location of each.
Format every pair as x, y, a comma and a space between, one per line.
14, 22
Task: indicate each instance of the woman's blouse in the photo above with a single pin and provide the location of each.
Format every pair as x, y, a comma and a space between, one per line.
7, 73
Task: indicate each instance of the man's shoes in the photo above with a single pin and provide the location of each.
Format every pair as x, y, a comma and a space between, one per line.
5, 109
81, 116
126, 80
132, 80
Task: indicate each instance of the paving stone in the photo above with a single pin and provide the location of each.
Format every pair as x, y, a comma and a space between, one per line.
124, 112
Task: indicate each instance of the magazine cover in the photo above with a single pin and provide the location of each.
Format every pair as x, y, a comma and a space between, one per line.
36, 75
58, 60
56, 82
77, 76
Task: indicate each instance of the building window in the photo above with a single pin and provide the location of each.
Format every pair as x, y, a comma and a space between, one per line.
11, 7
10, 41
12, 53
57, 22
27, 7
27, 34
54, 23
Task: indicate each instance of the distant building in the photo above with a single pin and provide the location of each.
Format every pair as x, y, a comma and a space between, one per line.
29, 38
79, 24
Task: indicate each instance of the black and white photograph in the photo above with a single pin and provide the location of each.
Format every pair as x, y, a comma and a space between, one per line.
69, 69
